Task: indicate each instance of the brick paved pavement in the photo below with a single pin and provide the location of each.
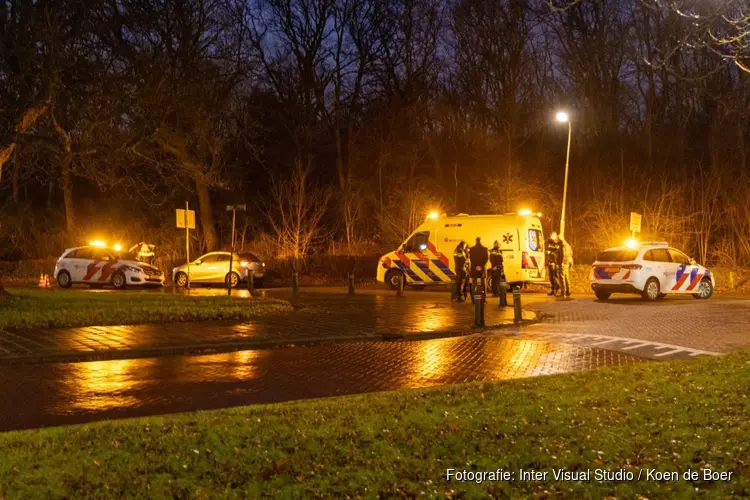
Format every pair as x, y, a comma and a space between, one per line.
63, 393
716, 325
324, 314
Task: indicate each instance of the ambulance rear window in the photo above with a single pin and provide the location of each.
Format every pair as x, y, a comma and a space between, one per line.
617, 255
535, 240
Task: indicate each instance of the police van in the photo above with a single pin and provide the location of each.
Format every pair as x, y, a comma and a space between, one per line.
426, 257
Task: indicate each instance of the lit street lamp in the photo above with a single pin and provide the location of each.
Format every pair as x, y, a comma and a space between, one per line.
563, 117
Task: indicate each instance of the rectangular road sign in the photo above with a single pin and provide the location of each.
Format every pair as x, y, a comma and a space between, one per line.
635, 222
184, 221
236, 207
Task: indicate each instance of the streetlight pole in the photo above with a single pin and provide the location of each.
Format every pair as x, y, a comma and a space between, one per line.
563, 117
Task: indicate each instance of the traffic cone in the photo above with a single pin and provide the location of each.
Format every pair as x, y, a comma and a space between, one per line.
47, 283
41, 281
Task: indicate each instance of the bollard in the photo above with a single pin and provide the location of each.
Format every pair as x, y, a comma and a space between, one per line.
516, 306
400, 287
251, 282
731, 280
478, 309
295, 282
502, 294
351, 283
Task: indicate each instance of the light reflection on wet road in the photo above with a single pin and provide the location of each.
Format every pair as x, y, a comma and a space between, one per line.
64, 393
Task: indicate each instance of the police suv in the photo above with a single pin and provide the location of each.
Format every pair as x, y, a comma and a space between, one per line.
98, 266
650, 269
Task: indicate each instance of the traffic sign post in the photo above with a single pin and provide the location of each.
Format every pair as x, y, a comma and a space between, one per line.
186, 219
233, 209
635, 223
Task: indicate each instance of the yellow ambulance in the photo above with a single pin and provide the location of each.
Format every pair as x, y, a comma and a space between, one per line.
426, 257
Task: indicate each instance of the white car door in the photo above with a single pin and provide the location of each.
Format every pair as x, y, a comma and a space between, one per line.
77, 264
665, 269
686, 274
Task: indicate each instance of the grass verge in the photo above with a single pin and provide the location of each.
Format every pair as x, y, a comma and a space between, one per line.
669, 417
29, 308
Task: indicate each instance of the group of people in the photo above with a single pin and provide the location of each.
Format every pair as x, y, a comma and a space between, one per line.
470, 266
559, 259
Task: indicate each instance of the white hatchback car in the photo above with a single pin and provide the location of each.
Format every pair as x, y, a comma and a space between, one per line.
213, 268
650, 269
97, 266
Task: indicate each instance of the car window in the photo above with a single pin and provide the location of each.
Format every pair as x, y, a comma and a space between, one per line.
617, 255
250, 257
678, 257
535, 240
418, 242
222, 257
208, 258
82, 253
657, 255
101, 254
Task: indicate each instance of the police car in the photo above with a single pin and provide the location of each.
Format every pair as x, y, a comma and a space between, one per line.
650, 269
96, 265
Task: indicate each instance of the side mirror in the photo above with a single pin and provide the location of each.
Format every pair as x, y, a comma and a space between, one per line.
198, 262
692, 261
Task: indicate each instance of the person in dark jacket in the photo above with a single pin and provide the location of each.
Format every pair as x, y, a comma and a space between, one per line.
496, 268
478, 256
554, 258
459, 262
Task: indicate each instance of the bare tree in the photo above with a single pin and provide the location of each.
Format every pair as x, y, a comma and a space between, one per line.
295, 213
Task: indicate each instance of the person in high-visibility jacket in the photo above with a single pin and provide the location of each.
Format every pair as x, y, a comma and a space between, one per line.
459, 261
496, 268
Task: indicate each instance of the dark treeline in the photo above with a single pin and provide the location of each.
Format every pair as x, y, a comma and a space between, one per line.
341, 123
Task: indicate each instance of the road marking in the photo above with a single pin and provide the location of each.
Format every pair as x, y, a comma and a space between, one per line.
667, 353
635, 346
604, 342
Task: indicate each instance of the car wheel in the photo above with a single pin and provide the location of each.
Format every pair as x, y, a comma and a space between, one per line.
393, 278
63, 279
118, 281
180, 280
652, 289
705, 290
232, 279
601, 295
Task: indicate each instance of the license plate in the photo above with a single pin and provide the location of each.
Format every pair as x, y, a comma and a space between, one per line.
613, 269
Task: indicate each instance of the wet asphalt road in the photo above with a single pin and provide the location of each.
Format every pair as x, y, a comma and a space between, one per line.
67, 393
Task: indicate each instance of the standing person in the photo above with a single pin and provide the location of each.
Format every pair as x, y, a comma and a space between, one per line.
478, 256
496, 267
554, 262
459, 262
567, 263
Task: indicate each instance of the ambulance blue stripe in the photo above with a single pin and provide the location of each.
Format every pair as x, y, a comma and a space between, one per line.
426, 269
444, 268
408, 272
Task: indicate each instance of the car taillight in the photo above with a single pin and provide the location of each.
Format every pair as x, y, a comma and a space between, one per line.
632, 266
524, 261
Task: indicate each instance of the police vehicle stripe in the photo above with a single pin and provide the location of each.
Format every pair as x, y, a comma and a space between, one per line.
602, 273
408, 272
444, 268
425, 268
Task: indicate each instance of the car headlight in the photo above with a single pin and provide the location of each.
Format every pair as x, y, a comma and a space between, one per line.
132, 269
243, 263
